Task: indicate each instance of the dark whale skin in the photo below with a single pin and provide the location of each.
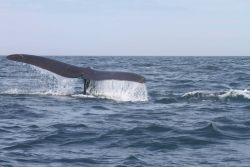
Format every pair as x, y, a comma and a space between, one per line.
71, 71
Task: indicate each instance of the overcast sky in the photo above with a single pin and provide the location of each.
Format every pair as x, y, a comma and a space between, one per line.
125, 27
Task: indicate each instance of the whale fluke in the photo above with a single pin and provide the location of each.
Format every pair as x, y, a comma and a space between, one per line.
71, 71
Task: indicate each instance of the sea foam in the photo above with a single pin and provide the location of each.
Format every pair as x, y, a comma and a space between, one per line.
233, 94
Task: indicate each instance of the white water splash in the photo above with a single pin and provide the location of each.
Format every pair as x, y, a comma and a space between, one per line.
43, 82
236, 93
54, 84
119, 90
61, 87
221, 95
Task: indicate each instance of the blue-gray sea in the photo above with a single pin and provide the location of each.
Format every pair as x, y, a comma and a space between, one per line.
196, 113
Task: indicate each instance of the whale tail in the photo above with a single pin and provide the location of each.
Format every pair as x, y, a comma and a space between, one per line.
71, 71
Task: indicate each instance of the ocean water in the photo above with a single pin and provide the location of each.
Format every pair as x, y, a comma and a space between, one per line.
192, 111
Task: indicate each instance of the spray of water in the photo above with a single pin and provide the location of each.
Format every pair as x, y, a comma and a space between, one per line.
119, 90
43, 82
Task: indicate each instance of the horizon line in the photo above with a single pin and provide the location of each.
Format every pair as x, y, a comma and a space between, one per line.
78, 55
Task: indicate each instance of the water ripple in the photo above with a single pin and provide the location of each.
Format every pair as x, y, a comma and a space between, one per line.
199, 111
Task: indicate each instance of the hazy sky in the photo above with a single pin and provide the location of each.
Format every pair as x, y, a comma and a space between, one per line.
125, 27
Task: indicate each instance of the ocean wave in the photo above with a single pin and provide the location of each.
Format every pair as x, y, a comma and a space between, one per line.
74, 126
166, 100
4, 131
133, 160
237, 95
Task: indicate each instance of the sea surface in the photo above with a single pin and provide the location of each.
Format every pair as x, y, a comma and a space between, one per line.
194, 111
